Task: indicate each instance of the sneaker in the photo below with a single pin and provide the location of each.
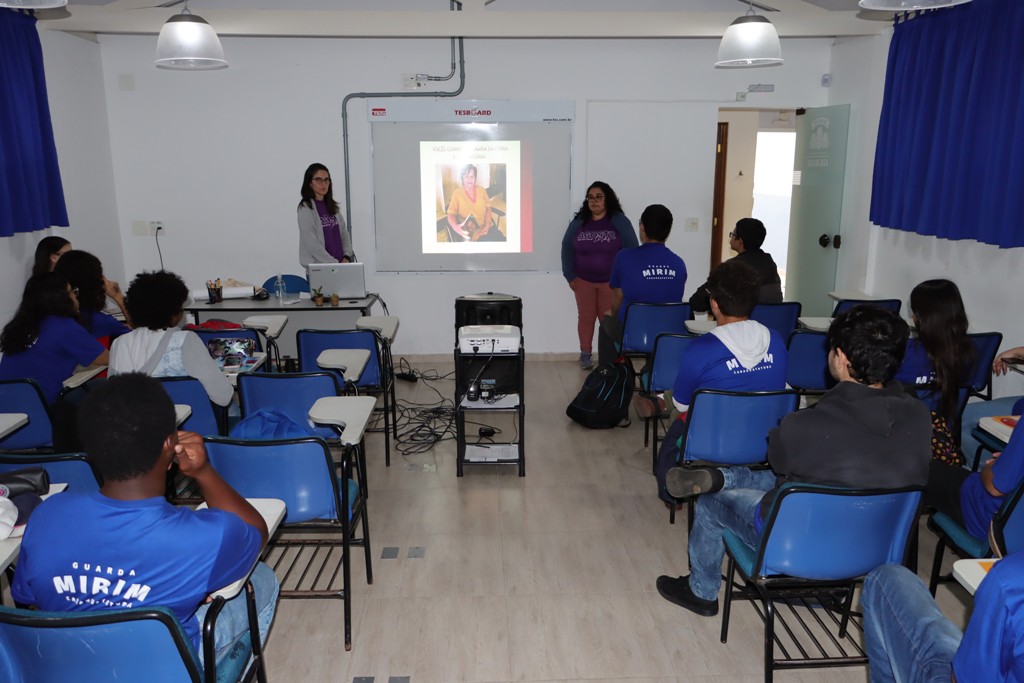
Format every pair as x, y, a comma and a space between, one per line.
677, 591
683, 482
586, 360
647, 406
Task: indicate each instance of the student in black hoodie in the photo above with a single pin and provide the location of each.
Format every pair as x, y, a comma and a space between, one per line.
864, 433
746, 241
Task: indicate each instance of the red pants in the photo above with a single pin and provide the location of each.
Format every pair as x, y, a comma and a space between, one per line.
593, 299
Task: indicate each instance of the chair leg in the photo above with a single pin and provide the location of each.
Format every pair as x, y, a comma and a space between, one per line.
387, 424
254, 633
346, 574
847, 608
727, 598
769, 637
366, 543
933, 582
647, 426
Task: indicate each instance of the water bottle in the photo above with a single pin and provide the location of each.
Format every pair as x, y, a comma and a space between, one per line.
279, 289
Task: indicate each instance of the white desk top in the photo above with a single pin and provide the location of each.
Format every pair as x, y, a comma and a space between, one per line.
254, 363
386, 326
351, 362
700, 326
350, 413
971, 572
83, 375
272, 510
181, 413
815, 323
856, 295
271, 325
9, 547
9, 422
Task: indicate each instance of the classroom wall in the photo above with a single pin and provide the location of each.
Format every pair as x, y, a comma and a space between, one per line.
219, 156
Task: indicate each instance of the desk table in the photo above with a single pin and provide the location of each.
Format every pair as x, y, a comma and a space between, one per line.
969, 573
349, 362
817, 324
843, 295
385, 325
273, 511
82, 375
201, 309
700, 326
11, 422
9, 547
349, 415
181, 413
271, 327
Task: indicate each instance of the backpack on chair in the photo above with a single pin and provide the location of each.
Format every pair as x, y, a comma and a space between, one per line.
603, 402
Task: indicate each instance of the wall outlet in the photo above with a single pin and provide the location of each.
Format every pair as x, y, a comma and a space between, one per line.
410, 82
148, 228
157, 227
692, 225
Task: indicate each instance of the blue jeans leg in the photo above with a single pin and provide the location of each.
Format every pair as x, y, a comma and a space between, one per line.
974, 412
906, 636
732, 508
233, 620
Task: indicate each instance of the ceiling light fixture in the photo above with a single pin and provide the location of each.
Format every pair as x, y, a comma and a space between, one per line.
188, 43
908, 5
33, 4
751, 40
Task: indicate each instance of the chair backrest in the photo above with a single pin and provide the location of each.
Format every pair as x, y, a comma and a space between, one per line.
291, 393
72, 469
237, 333
143, 644
1008, 524
731, 427
808, 361
293, 283
668, 353
189, 391
311, 343
780, 317
846, 304
298, 471
644, 322
986, 346
827, 533
25, 396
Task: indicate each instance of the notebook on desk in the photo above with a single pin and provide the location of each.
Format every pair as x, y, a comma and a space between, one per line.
1000, 426
344, 279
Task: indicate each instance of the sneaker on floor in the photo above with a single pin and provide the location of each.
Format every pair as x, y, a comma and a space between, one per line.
677, 591
683, 482
647, 406
586, 360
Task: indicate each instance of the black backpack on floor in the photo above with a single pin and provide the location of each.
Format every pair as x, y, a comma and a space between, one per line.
603, 402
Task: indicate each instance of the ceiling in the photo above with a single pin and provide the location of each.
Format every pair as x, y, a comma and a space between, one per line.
478, 18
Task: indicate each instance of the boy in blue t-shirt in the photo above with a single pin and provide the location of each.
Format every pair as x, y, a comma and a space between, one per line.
125, 546
650, 274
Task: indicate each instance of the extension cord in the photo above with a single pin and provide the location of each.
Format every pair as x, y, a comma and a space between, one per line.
407, 376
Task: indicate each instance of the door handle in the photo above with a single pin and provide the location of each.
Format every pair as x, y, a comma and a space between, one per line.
837, 241
824, 240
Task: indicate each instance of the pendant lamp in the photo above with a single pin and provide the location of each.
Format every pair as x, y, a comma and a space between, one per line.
33, 4
751, 40
188, 43
908, 5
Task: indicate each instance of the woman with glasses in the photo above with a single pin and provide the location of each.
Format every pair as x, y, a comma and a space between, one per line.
84, 272
44, 340
323, 236
597, 232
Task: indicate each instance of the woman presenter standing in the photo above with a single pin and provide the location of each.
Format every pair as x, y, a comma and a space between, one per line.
597, 232
323, 237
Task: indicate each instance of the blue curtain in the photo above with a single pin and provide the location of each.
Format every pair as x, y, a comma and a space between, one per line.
950, 155
31, 194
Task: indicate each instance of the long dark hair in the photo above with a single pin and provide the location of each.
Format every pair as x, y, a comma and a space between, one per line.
47, 247
84, 271
307, 191
611, 201
45, 294
942, 330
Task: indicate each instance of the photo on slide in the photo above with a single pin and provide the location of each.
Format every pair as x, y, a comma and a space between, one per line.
470, 194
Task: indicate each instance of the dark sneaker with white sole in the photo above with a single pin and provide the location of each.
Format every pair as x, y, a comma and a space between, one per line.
684, 482
677, 591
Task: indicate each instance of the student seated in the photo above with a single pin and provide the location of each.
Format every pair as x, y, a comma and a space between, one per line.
908, 639
85, 272
44, 340
746, 241
1007, 405
125, 545
156, 346
864, 433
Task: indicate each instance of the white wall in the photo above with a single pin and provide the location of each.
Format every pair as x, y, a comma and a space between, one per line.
78, 111
891, 262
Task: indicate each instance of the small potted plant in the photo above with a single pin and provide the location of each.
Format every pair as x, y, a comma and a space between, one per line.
335, 300
318, 296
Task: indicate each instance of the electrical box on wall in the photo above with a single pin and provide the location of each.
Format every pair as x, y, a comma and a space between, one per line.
148, 228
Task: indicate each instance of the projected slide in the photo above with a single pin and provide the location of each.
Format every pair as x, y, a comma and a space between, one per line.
471, 186
466, 190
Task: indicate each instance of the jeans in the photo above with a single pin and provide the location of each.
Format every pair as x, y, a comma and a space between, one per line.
233, 620
732, 508
592, 300
974, 412
906, 636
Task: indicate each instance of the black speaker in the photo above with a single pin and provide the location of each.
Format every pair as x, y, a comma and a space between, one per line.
488, 309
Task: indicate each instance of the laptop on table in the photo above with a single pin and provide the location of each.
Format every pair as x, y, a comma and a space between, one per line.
347, 280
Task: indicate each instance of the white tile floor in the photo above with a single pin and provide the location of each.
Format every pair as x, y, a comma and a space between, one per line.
544, 578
